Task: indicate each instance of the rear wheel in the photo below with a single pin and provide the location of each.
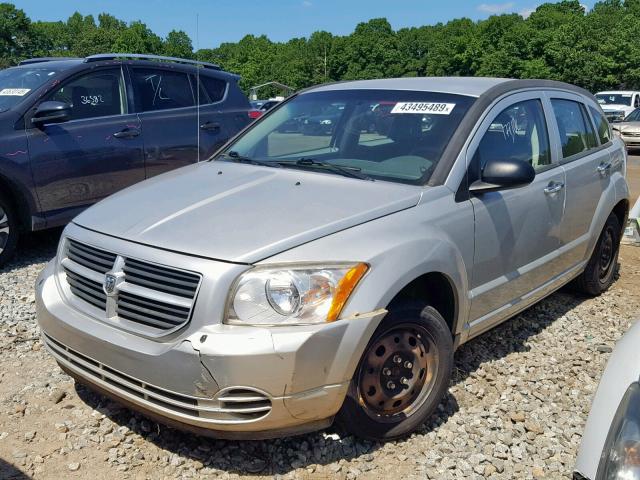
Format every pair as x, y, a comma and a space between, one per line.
8, 231
601, 269
402, 376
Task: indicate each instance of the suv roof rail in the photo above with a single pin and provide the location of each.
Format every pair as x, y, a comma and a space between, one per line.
29, 61
139, 56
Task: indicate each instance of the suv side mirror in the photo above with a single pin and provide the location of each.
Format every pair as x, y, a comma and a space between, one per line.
51, 112
503, 174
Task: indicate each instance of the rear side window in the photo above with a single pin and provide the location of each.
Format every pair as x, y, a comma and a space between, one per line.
215, 87
157, 89
576, 132
604, 134
519, 132
96, 94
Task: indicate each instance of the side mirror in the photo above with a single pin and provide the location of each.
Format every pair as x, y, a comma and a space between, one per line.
51, 112
502, 175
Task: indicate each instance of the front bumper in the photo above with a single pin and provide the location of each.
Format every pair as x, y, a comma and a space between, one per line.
226, 381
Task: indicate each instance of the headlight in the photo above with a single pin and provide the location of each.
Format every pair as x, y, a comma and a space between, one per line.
298, 294
621, 454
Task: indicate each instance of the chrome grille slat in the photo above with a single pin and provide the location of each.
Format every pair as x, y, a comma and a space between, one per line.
148, 296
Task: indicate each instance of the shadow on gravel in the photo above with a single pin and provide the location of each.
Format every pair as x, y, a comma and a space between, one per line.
37, 247
10, 472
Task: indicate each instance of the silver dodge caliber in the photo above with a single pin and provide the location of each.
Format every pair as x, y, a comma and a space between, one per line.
326, 263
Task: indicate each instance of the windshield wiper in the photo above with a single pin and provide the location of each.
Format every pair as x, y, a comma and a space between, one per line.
344, 170
234, 156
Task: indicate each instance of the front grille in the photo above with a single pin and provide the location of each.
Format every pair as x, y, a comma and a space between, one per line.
153, 297
235, 405
90, 257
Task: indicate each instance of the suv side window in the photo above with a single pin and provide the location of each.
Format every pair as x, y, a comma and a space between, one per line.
96, 94
157, 89
602, 125
518, 132
576, 132
215, 87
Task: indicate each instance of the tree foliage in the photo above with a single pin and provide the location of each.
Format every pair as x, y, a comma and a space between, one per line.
595, 49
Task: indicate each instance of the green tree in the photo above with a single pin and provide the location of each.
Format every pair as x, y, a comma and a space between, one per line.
178, 44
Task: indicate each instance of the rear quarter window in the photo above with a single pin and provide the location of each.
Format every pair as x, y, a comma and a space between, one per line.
604, 133
214, 87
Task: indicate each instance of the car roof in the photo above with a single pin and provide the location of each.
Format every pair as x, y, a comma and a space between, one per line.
61, 64
469, 86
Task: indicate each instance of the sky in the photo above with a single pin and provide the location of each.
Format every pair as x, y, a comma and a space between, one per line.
230, 20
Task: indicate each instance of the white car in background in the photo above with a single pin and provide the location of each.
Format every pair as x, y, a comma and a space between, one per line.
610, 448
617, 104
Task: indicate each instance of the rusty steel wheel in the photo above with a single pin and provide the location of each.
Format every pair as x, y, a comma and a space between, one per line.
397, 372
402, 375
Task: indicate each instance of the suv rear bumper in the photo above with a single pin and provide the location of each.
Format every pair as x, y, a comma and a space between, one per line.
227, 381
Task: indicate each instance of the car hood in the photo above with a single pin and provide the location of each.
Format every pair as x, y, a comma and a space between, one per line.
614, 107
627, 126
242, 213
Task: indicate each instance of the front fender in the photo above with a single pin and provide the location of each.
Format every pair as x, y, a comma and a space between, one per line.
434, 236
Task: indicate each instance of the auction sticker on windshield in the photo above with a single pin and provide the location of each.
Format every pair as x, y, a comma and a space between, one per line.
423, 107
14, 92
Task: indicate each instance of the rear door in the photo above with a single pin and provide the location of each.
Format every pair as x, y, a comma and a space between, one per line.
96, 153
517, 231
587, 163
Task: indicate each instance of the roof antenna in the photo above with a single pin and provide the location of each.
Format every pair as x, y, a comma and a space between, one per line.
198, 82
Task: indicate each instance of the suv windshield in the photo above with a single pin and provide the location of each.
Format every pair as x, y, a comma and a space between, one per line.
16, 83
614, 99
391, 135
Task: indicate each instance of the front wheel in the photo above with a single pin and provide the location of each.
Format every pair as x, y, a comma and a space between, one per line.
402, 375
600, 271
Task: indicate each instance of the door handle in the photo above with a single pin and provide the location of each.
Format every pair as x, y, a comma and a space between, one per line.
127, 133
553, 187
604, 168
210, 126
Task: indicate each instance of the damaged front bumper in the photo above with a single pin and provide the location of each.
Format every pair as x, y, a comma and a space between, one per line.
225, 381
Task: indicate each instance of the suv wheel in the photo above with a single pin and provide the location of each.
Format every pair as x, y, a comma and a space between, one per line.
601, 269
8, 231
402, 375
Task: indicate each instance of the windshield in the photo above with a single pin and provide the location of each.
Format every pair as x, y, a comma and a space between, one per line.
633, 116
17, 83
614, 99
391, 135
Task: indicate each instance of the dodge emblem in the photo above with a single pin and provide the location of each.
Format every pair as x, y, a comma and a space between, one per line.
109, 283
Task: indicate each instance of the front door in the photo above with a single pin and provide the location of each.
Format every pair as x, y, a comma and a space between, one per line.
94, 154
517, 231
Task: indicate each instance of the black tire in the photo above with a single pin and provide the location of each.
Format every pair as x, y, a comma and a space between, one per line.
601, 269
8, 230
360, 414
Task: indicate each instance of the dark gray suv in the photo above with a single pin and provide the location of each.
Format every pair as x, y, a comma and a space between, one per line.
74, 131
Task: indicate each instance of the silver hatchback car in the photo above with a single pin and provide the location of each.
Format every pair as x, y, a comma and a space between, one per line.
299, 276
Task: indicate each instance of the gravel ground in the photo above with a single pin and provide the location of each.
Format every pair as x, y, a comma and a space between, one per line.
515, 409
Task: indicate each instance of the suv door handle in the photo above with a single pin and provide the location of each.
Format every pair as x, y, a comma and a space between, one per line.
604, 168
210, 126
553, 187
127, 133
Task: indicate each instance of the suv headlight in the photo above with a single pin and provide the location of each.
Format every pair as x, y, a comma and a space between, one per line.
293, 294
620, 458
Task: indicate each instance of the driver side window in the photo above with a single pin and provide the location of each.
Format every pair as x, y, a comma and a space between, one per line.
96, 94
519, 132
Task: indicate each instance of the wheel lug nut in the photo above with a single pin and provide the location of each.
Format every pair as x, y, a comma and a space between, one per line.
404, 381
397, 359
391, 385
408, 364
386, 372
